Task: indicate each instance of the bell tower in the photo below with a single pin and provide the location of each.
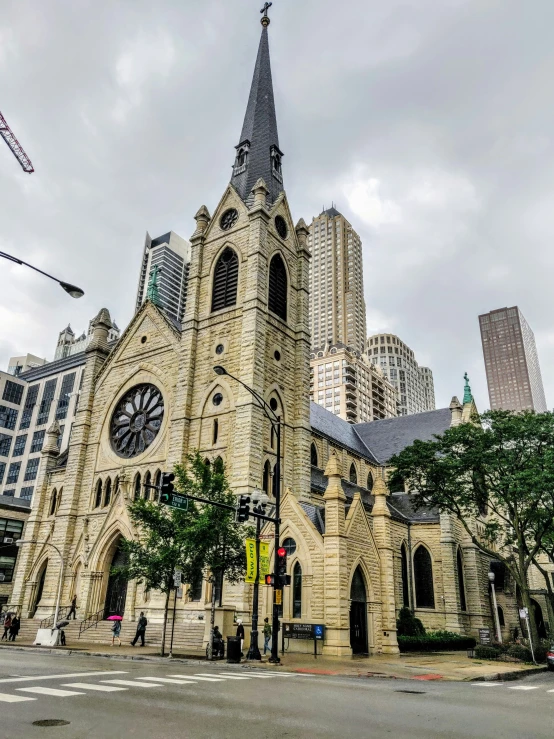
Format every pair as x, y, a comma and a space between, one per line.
247, 311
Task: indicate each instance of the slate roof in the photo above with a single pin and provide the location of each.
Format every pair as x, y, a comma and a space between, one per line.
390, 436
404, 503
336, 429
260, 129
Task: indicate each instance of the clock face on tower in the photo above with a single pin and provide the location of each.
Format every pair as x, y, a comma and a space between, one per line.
136, 420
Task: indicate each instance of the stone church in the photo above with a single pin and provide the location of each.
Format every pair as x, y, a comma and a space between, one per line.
357, 551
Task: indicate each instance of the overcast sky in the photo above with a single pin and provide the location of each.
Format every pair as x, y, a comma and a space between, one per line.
428, 123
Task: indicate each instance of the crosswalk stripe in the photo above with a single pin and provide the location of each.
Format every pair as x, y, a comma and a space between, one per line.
263, 677
66, 676
6, 698
550, 691
167, 680
524, 687
486, 685
133, 683
228, 677
41, 690
204, 679
92, 686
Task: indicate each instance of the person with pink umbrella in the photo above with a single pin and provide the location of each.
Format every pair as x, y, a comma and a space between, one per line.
116, 628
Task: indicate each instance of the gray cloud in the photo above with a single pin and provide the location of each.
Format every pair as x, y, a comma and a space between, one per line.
429, 124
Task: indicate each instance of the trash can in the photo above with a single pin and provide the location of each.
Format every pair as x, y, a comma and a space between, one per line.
233, 649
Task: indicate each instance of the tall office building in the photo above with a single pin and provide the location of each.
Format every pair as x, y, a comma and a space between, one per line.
414, 383
17, 365
69, 344
351, 386
511, 361
171, 254
337, 305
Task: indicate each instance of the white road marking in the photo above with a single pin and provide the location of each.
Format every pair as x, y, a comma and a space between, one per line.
197, 677
525, 687
132, 683
550, 691
222, 676
5, 698
92, 686
62, 677
50, 691
486, 685
167, 680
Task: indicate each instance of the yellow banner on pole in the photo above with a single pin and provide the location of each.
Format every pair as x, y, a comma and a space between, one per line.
251, 561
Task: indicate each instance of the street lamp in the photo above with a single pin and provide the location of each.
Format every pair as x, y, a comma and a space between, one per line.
259, 504
72, 290
275, 422
495, 608
20, 543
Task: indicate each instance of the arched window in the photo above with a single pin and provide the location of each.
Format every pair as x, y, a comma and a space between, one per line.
272, 438
219, 467
461, 583
267, 478
226, 278
98, 500
274, 487
353, 474
107, 492
405, 577
297, 591
157, 483
423, 576
147, 481
137, 486
500, 616
215, 431
53, 502
313, 453
116, 485
370, 482
277, 299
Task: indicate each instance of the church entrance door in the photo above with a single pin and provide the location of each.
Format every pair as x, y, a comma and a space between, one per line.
358, 614
116, 593
40, 588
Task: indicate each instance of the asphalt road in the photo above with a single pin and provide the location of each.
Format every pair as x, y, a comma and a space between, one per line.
108, 699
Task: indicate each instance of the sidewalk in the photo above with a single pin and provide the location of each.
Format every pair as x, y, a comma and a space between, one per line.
437, 666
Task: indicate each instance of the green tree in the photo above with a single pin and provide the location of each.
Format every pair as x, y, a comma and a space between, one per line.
496, 475
216, 538
163, 544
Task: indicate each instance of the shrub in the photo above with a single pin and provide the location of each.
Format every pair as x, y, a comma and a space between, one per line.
483, 651
435, 641
408, 625
518, 651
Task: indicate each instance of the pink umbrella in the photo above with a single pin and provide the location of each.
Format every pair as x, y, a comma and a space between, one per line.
114, 618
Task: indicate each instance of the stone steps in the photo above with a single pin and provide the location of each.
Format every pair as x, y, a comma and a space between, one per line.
188, 635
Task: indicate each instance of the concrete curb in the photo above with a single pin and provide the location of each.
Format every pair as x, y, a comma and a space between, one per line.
507, 676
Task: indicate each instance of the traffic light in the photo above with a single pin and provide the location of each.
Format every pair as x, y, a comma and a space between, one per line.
270, 580
167, 487
243, 510
282, 566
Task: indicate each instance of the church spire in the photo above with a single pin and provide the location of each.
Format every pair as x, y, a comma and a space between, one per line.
258, 154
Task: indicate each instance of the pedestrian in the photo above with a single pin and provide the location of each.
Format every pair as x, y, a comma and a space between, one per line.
218, 642
7, 623
62, 637
14, 628
141, 629
240, 635
116, 632
267, 634
73, 609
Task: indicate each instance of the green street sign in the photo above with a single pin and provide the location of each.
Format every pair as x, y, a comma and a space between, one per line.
175, 501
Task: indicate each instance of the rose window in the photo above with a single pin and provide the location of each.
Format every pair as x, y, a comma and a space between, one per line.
137, 420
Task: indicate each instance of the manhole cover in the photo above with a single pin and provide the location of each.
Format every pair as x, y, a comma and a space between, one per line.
51, 722
413, 692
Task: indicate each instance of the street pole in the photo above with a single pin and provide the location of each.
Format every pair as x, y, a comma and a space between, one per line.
173, 625
495, 609
275, 659
254, 651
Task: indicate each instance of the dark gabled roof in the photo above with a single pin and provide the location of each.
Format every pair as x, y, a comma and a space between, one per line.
337, 430
404, 503
316, 514
260, 129
390, 436
54, 368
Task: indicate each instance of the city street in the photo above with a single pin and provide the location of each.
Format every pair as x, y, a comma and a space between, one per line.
114, 698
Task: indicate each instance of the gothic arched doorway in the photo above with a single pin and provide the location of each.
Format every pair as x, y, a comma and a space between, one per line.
40, 588
116, 592
539, 620
358, 614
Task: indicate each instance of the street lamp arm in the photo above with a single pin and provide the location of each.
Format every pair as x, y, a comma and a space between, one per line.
263, 405
72, 290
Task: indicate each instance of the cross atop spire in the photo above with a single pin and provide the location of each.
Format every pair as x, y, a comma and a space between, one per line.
258, 154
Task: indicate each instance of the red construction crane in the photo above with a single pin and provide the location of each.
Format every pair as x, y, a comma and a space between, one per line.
16, 148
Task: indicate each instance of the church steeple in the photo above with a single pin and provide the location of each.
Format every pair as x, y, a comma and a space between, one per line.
258, 154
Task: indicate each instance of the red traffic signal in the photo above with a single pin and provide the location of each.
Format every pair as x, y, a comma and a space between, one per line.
270, 580
281, 552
